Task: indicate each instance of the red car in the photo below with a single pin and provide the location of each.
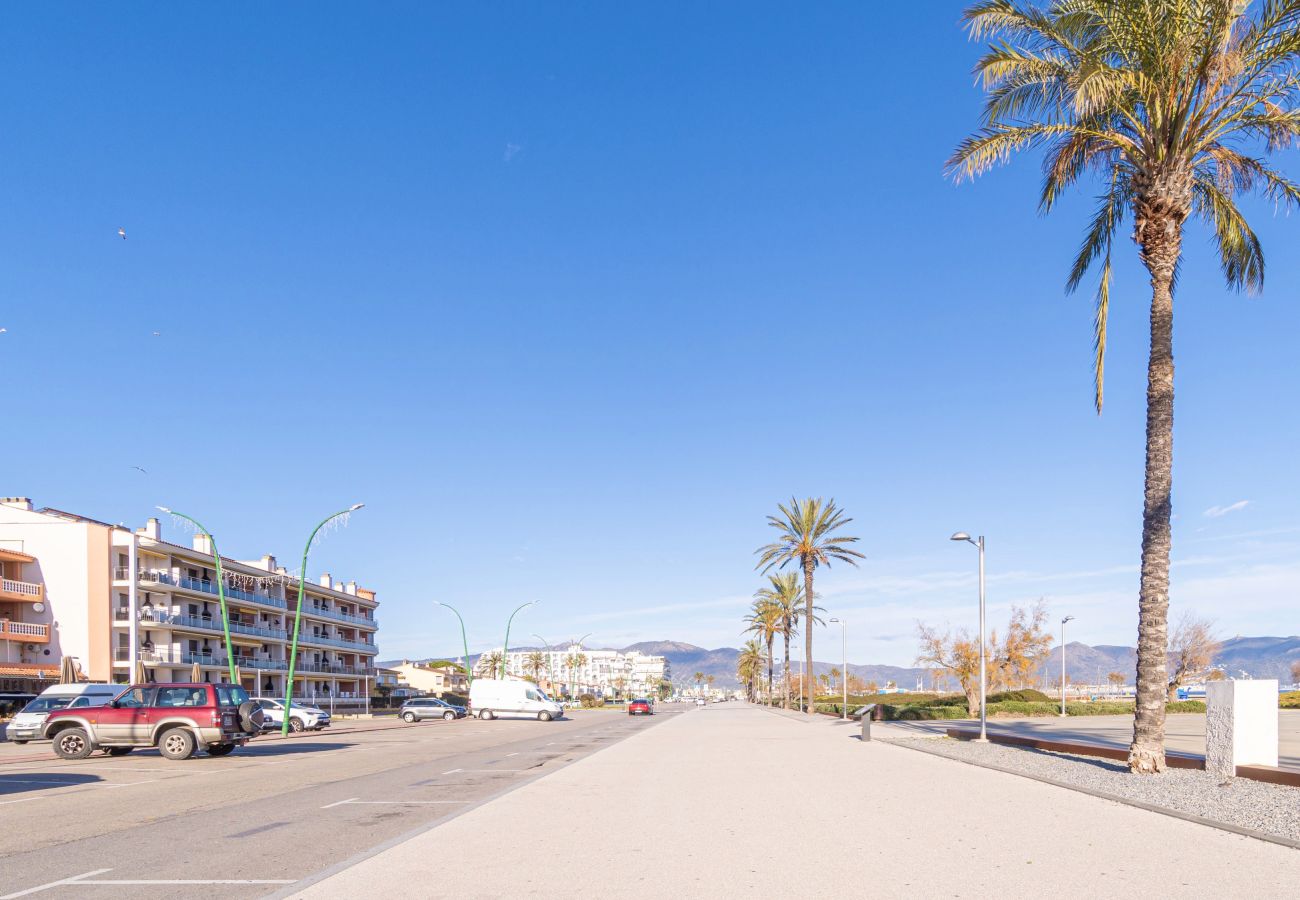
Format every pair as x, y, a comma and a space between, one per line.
178, 719
640, 708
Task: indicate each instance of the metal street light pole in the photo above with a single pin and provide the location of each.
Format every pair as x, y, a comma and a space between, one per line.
221, 588
505, 649
984, 736
1063, 621
297, 615
469, 672
844, 661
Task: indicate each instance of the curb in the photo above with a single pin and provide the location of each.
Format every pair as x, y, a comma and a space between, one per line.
1102, 795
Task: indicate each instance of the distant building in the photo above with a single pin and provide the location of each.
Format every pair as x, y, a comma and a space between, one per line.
431, 679
575, 670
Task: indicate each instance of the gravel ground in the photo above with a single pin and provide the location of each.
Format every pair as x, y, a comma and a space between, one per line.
1267, 808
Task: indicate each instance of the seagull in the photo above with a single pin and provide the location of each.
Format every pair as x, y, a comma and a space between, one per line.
121, 232
142, 470
157, 334
3, 330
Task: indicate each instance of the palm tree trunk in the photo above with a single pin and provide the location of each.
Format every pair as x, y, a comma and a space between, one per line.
808, 565
1159, 236
785, 664
770, 637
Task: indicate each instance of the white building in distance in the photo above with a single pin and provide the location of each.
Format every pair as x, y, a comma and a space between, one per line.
577, 670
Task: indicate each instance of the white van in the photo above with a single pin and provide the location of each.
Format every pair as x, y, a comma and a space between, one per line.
489, 699
27, 725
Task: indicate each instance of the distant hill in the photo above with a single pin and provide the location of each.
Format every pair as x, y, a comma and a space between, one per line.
1258, 657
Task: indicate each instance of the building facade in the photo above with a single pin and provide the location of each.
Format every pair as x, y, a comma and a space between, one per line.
427, 679
574, 670
128, 603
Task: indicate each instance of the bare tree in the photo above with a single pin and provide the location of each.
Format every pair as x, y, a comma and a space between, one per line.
958, 654
1295, 672
1026, 645
1191, 650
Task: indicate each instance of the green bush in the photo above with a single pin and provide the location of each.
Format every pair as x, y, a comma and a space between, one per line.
591, 701
1184, 706
1289, 700
1027, 695
922, 713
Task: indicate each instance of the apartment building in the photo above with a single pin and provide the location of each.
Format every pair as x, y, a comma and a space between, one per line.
428, 679
575, 670
129, 603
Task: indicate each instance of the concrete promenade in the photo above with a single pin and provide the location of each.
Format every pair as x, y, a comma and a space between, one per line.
738, 801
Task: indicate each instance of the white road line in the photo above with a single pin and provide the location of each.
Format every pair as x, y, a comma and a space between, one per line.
53, 884
508, 755
118, 784
403, 802
339, 803
23, 800
453, 771
193, 881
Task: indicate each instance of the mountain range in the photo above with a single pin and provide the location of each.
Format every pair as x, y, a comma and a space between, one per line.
1257, 657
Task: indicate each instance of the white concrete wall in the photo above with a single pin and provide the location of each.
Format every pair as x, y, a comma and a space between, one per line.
1241, 722
61, 549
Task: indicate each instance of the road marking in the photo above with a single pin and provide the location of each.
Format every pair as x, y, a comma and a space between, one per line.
508, 755
53, 884
339, 803
23, 800
402, 802
128, 783
147, 881
453, 771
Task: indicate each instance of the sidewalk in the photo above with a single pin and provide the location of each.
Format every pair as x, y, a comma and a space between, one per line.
737, 801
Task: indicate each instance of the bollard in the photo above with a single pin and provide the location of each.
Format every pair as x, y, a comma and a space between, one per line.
1240, 725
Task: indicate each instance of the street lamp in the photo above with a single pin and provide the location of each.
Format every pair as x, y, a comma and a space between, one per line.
469, 673
984, 736
221, 588
505, 649
844, 661
297, 614
1063, 621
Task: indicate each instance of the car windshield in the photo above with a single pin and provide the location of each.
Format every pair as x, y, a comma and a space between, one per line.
46, 704
230, 694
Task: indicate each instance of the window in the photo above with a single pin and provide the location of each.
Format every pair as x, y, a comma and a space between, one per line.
133, 699
230, 694
182, 696
79, 703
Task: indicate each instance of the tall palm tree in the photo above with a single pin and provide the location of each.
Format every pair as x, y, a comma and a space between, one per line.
494, 661
534, 662
806, 538
699, 679
786, 596
1171, 104
749, 666
765, 621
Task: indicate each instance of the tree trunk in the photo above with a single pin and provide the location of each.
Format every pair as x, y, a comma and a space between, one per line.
1159, 216
808, 565
785, 665
770, 637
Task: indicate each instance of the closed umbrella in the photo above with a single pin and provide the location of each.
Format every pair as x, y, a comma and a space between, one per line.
196, 672
67, 671
239, 679
140, 677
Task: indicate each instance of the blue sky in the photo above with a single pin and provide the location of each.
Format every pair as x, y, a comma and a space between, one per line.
571, 296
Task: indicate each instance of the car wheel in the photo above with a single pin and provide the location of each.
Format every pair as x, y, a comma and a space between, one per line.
119, 751
73, 743
448, 716
221, 749
486, 714
296, 724
408, 717
544, 716
176, 743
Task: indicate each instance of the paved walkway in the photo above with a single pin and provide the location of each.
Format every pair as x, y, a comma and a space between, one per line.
737, 801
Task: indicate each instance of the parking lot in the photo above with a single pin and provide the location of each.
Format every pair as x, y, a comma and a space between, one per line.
272, 813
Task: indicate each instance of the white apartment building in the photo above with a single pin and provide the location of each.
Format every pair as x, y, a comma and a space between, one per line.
122, 601
576, 670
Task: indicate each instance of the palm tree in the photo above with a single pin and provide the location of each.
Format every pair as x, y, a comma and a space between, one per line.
494, 660
805, 528
786, 596
1165, 101
575, 661
534, 662
708, 679
749, 665
699, 678
835, 673
765, 620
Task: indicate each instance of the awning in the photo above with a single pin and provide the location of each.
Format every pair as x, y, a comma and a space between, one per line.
15, 556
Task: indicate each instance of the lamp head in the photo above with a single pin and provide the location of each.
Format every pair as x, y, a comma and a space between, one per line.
960, 536
1067, 619
834, 620
355, 506
164, 509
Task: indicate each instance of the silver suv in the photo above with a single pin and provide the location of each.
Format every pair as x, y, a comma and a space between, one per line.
418, 708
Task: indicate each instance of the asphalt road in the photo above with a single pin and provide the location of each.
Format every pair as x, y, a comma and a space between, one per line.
271, 813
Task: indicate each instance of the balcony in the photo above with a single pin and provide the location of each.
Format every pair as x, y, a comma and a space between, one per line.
363, 621
363, 646
327, 669
23, 591
24, 631
232, 593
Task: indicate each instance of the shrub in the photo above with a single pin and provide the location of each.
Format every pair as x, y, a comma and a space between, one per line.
591, 701
1026, 695
923, 713
1289, 700
1184, 706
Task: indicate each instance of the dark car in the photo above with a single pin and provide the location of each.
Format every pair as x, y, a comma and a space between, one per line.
418, 708
640, 708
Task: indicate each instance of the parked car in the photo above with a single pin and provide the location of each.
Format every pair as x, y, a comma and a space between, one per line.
640, 708
419, 708
700, 701
490, 698
27, 724
301, 717
179, 719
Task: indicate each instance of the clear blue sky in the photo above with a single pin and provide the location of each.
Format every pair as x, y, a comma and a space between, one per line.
571, 296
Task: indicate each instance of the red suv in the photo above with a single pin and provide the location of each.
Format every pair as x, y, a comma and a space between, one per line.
640, 708
178, 719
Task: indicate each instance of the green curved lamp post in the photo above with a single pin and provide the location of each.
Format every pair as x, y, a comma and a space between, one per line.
221, 585
505, 649
469, 672
297, 615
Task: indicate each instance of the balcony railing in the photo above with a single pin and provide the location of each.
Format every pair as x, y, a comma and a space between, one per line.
340, 616
337, 642
210, 623
22, 589
234, 593
326, 669
24, 631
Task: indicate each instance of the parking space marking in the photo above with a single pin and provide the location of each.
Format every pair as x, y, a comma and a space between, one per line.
53, 884
23, 800
340, 803
395, 802
453, 771
508, 755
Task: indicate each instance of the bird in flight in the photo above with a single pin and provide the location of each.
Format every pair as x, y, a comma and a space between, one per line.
121, 232
142, 470
3, 330
157, 334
